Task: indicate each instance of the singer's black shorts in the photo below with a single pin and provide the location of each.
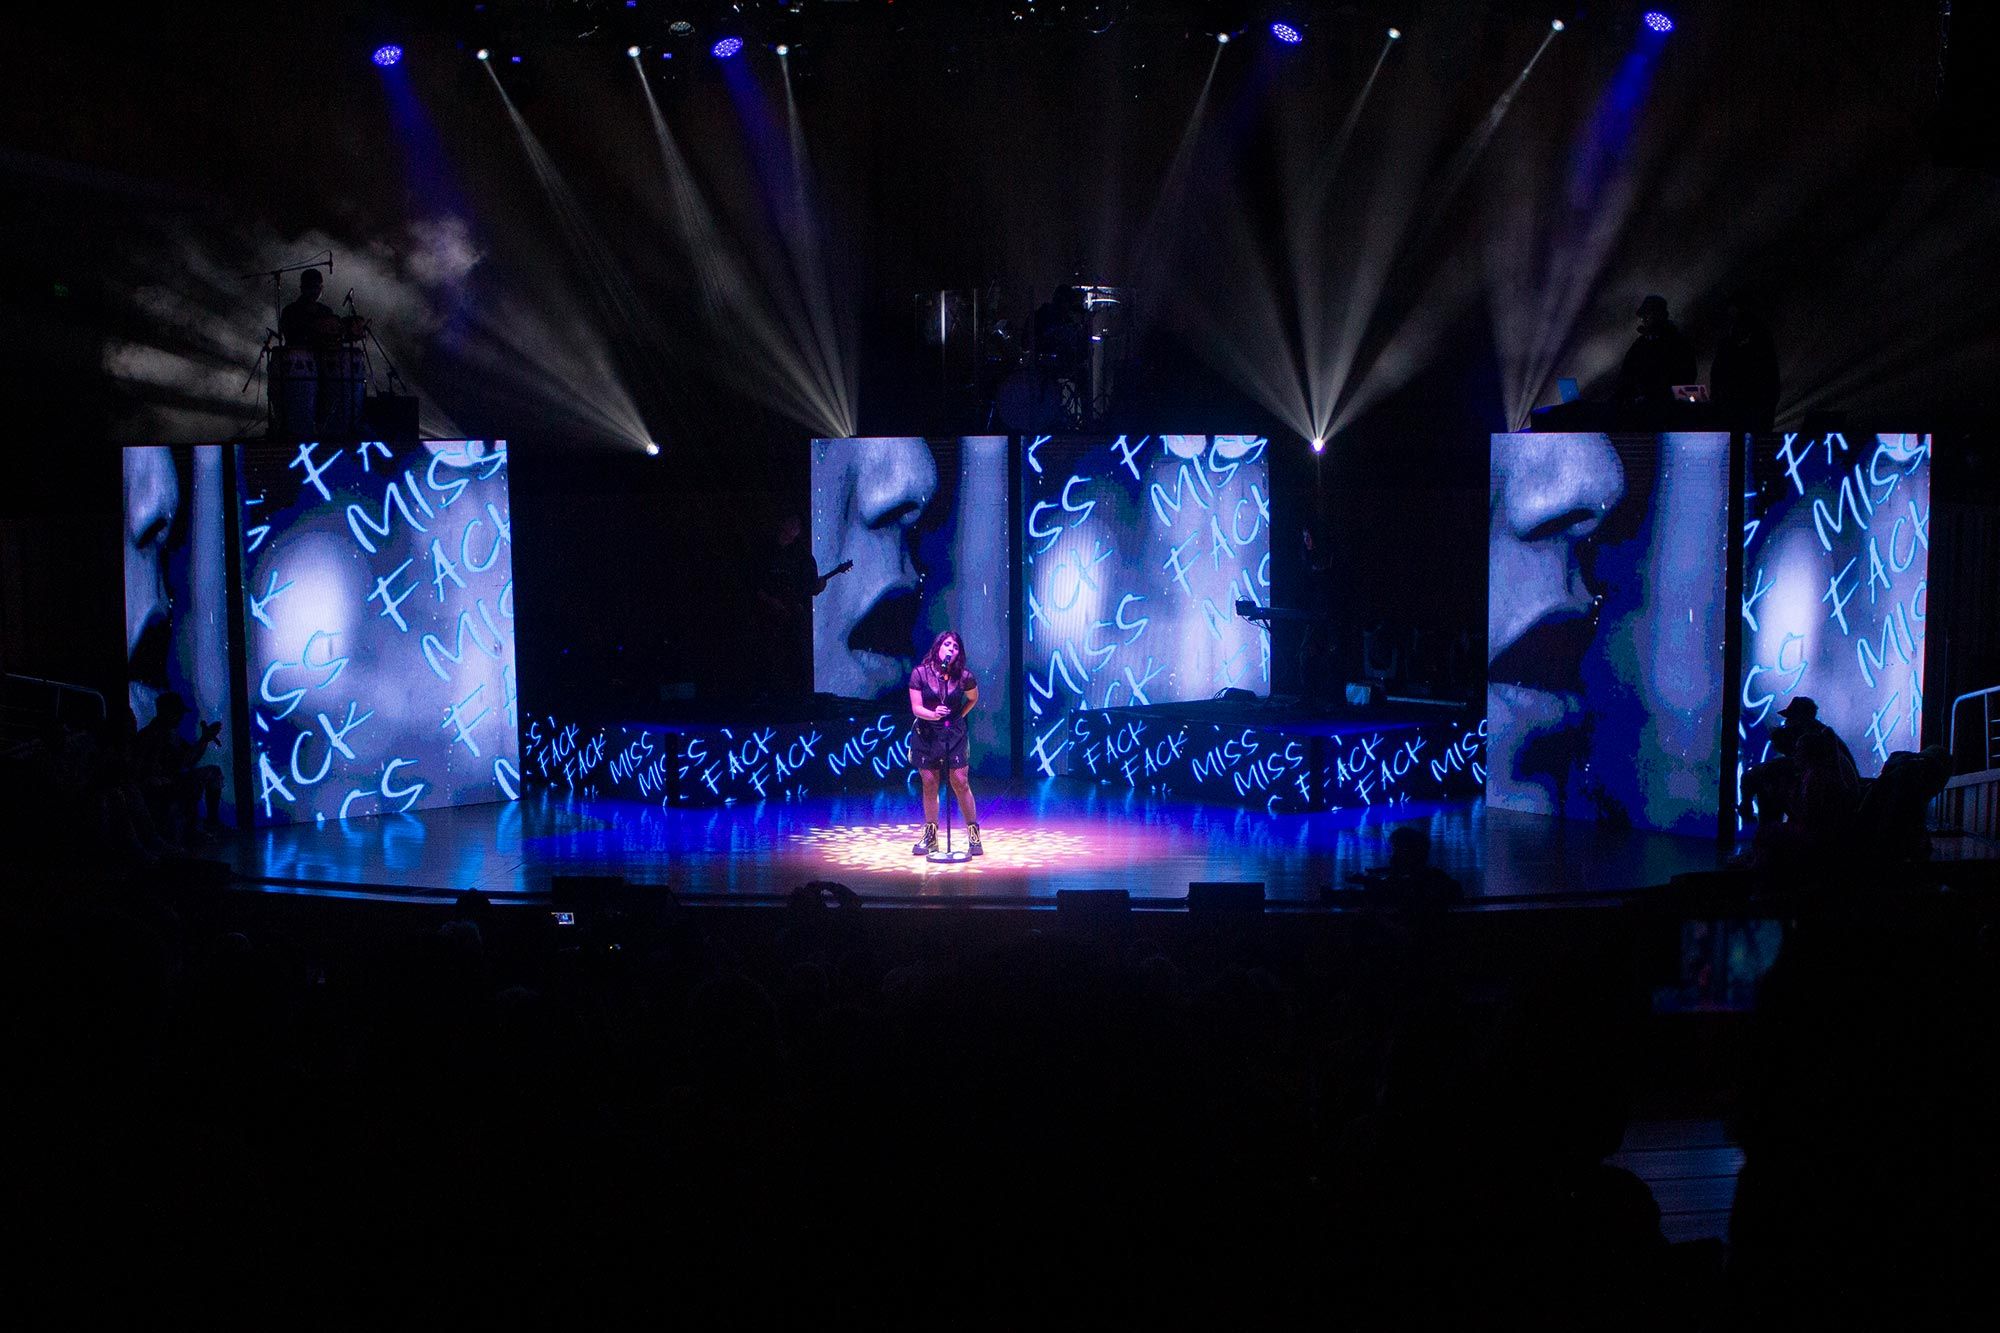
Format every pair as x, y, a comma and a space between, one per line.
940, 747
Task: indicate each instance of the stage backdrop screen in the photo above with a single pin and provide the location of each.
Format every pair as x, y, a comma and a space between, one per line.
379, 626
1607, 561
176, 593
1836, 554
924, 523
1135, 551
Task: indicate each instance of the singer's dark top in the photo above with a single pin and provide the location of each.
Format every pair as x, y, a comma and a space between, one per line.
935, 744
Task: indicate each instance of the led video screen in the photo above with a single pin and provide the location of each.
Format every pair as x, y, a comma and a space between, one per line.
1135, 551
923, 526
378, 621
177, 596
1836, 555
1607, 615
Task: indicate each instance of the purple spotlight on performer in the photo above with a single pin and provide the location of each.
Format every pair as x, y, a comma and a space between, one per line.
386, 56
942, 691
726, 48
1659, 22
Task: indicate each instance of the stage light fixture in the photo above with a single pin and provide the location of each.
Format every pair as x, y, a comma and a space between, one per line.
482, 54
1319, 444
1659, 22
1395, 34
680, 27
1287, 34
726, 48
632, 51
1556, 25
388, 54
652, 449
782, 49
513, 60
1222, 38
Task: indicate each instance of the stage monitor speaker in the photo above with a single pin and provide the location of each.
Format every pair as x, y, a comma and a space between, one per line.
1360, 694
586, 893
1225, 896
1087, 905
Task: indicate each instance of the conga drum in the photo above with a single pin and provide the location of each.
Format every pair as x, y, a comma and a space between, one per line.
343, 390
294, 385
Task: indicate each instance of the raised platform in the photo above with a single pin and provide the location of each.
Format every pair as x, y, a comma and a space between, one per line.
1274, 756
1041, 837
1279, 758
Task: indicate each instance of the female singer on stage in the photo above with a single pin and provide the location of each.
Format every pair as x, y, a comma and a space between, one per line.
942, 692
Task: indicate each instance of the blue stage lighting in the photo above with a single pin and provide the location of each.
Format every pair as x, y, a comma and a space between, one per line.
1659, 22
1287, 34
388, 55
726, 48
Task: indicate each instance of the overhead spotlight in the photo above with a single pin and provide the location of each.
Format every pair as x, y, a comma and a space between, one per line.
1556, 25
482, 54
1287, 34
388, 55
652, 449
632, 51
666, 55
513, 60
1319, 444
680, 27
1659, 22
1222, 38
726, 48
782, 49
1395, 34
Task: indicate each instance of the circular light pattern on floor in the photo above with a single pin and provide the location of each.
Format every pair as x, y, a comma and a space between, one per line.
885, 849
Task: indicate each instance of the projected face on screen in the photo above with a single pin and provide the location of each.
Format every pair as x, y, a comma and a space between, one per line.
1836, 558
925, 524
176, 602
1605, 623
1135, 551
379, 624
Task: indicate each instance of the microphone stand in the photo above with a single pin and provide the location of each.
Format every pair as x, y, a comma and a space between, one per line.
277, 277
947, 799
395, 379
270, 336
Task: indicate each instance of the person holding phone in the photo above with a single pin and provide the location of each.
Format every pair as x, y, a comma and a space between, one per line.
942, 692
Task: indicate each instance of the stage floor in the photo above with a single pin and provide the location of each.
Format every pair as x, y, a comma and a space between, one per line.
1040, 837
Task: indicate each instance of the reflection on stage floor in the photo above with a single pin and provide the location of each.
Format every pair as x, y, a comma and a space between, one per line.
1039, 838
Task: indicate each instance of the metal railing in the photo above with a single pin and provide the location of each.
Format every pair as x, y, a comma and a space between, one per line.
1989, 741
28, 702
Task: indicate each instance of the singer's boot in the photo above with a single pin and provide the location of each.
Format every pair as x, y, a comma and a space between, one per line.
972, 840
926, 844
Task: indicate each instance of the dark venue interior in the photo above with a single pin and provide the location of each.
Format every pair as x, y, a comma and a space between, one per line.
822, 659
